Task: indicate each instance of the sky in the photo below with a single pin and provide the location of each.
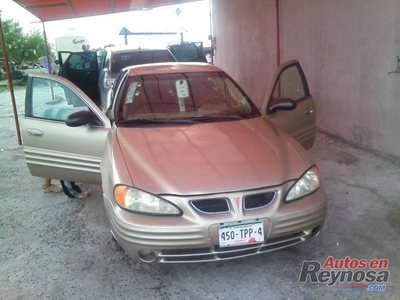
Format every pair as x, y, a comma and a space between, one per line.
104, 30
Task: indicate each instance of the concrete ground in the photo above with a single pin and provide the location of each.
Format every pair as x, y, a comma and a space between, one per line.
53, 247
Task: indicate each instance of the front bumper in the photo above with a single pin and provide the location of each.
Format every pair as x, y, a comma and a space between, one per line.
194, 236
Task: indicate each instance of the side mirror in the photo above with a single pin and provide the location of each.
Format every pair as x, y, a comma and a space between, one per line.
281, 103
83, 118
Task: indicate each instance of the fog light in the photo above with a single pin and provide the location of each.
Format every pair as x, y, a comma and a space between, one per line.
147, 255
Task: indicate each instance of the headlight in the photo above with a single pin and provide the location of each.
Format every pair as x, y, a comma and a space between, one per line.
306, 185
144, 203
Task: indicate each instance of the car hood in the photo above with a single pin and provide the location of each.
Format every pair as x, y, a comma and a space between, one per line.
209, 158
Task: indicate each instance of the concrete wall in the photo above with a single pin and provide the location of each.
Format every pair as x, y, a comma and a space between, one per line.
243, 31
346, 47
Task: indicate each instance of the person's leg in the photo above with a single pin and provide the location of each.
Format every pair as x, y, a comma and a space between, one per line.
75, 187
69, 190
46, 183
84, 194
73, 191
47, 186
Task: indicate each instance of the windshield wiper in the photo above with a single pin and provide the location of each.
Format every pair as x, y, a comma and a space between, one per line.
152, 121
211, 118
142, 121
193, 120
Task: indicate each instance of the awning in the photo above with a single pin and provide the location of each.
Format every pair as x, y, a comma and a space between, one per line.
52, 10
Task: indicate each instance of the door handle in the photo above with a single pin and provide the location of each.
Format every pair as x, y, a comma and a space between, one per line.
309, 112
34, 132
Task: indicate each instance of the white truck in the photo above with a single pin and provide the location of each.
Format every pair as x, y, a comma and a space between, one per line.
72, 43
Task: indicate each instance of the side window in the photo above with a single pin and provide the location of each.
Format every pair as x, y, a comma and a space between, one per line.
291, 84
52, 100
82, 61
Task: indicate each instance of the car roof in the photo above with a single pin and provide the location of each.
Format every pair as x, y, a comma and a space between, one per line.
124, 49
171, 68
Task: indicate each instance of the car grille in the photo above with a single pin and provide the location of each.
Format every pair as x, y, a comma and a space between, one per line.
220, 205
258, 200
211, 206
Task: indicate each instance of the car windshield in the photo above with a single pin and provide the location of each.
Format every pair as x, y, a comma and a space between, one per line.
183, 98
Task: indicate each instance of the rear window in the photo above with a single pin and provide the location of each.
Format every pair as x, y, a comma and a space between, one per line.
122, 60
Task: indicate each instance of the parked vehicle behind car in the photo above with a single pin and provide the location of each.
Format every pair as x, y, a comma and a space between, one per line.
191, 169
114, 59
96, 75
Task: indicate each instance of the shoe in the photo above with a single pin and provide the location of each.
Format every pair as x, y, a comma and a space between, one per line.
54, 188
84, 194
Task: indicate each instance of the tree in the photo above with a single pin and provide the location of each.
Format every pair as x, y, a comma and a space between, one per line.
22, 47
33, 46
13, 34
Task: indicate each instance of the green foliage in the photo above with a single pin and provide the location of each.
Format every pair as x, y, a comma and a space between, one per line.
33, 47
22, 47
5, 88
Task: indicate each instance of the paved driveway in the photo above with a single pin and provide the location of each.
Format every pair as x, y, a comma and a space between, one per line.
53, 247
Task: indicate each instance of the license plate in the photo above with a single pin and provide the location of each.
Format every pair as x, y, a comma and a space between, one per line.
241, 234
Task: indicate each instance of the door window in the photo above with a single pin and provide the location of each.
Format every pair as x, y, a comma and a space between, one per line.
291, 84
83, 61
52, 100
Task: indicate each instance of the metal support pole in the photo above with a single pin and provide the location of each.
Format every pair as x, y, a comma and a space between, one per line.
10, 83
278, 34
46, 47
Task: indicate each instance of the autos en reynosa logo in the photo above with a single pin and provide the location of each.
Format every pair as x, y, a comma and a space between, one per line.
347, 273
